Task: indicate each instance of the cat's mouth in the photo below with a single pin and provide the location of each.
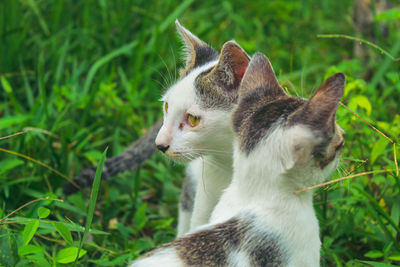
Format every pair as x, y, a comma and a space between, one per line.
178, 156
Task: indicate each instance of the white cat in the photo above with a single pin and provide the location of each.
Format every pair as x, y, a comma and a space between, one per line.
196, 128
282, 144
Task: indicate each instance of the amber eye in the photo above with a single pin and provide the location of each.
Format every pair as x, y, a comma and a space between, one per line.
166, 107
193, 120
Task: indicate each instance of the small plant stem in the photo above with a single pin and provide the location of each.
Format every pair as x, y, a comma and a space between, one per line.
337, 180
29, 203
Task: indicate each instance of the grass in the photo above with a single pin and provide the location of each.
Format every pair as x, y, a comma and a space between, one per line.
79, 76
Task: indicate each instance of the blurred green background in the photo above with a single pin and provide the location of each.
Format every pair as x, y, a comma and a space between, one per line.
80, 76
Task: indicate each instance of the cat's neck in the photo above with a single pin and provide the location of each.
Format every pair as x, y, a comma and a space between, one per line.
266, 179
215, 167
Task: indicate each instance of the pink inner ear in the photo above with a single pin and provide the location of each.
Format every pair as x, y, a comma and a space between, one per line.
240, 70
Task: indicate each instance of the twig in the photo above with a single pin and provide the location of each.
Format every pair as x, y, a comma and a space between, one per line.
38, 130
26, 204
42, 164
12, 135
391, 141
361, 41
337, 180
395, 159
30, 129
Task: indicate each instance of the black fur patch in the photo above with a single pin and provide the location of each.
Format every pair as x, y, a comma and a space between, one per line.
255, 116
204, 54
212, 247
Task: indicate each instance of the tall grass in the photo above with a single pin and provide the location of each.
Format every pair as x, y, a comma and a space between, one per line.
88, 74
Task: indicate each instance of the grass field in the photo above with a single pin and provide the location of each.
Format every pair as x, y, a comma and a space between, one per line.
79, 76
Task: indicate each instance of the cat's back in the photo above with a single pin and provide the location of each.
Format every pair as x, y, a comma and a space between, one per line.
234, 243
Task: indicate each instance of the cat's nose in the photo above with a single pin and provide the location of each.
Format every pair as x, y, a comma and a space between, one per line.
162, 148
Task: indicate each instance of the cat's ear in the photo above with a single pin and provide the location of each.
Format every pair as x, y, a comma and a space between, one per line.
197, 52
320, 111
231, 66
260, 78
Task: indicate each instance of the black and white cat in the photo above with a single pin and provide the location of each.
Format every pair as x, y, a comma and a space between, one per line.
196, 127
282, 144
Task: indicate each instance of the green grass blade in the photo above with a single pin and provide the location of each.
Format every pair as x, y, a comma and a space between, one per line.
96, 66
171, 18
93, 199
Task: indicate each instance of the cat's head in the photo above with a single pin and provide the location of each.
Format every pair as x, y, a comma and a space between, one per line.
197, 108
286, 134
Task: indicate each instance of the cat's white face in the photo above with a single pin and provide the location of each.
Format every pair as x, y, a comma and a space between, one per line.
197, 109
190, 130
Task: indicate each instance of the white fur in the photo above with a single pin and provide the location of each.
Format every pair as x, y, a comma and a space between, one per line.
208, 146
238, 259
263, 184
184, 218
165, 257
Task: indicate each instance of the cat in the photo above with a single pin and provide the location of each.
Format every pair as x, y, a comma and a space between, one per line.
196, 128
282, 144
207, 90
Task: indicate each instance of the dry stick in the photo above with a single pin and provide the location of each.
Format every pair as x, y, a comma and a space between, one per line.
30, 202
30, 129
391, 141
395, 159
337, 180
12, 135
361, 41
43, 131
42, 164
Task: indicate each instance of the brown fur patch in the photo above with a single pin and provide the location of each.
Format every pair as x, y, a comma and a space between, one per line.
254, 117
218, 87
212, 247
263, 104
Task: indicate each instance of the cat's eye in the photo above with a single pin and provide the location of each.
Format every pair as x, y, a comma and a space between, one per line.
193, 120
166, 107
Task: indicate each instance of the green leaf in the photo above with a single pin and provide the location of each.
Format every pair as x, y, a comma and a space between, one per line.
48, 224
43, 212
395, 213
9, 164
394, 256
93, 198
11, 120
378, 149
360, 101
8, 248
39, 259
29, 249
29, 231
64, 232
378, 264
68, 255
140, 218
93, 155
374, 254
6, 85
